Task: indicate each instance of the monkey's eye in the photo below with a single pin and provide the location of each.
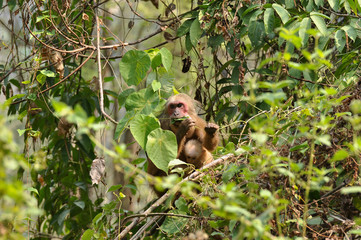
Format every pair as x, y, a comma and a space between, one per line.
172, 106
180, 105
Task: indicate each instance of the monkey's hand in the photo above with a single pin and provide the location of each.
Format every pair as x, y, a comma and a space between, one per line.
211, 128
186, 126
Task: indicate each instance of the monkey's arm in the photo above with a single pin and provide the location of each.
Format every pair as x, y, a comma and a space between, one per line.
211, 138
186, 128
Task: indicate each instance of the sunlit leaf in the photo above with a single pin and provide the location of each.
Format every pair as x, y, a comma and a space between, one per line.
184, 28
167, 58
141, 125
134, 66
195, 32
319, 22
87, 235
350, 190
282, 12
269, 20
161, 148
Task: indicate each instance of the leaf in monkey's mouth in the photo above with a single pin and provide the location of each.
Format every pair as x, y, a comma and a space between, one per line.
175, 120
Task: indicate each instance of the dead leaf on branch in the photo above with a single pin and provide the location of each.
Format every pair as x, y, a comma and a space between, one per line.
97, 170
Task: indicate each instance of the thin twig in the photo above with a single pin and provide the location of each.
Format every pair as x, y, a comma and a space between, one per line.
309, 81
144, 227
248, 120
158, 214
56, 49
147, 20
14, 68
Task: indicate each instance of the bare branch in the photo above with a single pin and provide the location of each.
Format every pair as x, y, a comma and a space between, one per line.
147, 20
100, 77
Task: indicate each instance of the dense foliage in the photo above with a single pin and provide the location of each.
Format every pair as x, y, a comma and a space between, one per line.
281, 79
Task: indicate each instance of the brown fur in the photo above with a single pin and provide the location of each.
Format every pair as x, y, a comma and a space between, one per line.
205, 135
196, 154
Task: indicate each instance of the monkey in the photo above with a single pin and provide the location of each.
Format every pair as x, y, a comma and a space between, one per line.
181, 118
196, 154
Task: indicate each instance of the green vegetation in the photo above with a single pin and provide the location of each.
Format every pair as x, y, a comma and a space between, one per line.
280, 78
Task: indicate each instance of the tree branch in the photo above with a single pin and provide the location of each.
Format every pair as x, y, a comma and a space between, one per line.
162, 199
100, 77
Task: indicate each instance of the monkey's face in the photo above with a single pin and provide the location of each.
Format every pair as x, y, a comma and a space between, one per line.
177, 110
193, 150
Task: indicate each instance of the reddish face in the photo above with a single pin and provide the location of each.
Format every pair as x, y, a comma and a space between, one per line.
177, 109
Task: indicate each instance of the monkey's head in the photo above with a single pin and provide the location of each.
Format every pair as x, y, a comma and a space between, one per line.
180, 106
193, 150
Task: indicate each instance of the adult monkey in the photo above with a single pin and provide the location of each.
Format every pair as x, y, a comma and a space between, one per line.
181, 118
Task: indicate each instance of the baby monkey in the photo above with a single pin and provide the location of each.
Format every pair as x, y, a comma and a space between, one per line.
196, 154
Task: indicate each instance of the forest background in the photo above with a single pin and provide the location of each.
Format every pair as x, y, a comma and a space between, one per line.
83, 82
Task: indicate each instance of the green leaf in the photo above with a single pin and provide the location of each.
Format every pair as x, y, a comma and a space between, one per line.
41, 78
109, 79
319, 2
48, 73
195, 32
97, 218
269, 20
34, 190
80, 204
340, 155
256, 33
184, 28
122, 97
144, 101
87, 235
299, 147
304, 26
350, 4
161, 148
165, 78
188, 43
340, 40
156, 85
181, 204
32, 96
12, 4
115, 188
61, 108
167, 58
26, 82
134, 66
261, 138
228, 174
350, 31
123, 123
324, 139
349, 190
173, 225
155, 57
141, 125
283, 13
335, 4
62, 216
319, 22
355, 106
175, 163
